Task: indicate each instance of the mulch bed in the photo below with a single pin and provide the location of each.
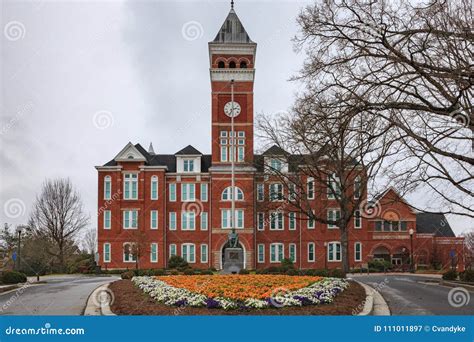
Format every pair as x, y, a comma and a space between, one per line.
129, 300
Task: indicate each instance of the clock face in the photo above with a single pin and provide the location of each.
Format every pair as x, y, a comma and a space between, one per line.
232, 109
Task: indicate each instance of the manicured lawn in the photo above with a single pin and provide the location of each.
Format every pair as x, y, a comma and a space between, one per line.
236, 295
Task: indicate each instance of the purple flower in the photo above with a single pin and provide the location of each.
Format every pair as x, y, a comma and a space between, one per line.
212, 303
303, 300
181, 302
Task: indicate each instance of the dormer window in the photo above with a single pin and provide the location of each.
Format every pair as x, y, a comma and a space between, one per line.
188, 165
276, 164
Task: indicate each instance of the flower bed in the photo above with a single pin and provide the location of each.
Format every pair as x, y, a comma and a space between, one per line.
241, 291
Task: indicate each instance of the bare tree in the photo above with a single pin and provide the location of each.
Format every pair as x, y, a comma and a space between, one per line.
336, 153
89, 241
410, 65
58, 216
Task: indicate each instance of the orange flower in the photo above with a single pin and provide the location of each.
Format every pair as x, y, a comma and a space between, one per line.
239, 287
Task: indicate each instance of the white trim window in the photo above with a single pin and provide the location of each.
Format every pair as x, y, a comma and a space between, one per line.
227, 194
334, 251
292, 252
311, 222
311, 253
154, 188
154, 219
357, 219
188, 165
172, 220
333, 215
204, 220
240, 153
261, 253
130, 219
310, 188
276, 192
154, 252
204, 253
357, 251
107, 252
292, 220
260, 192
172, 249
260, 221
172, 192
107, 187
130, 186
188, 193
277, 252
204, 192
188, 220
223, 153
276, 165
334, 186
276, 220
226, 218
357, 187
188, 252
129, 252
107, 219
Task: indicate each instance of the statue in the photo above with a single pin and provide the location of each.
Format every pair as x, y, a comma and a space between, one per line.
233, 239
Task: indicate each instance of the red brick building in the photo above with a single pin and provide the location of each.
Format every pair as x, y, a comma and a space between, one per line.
180, 204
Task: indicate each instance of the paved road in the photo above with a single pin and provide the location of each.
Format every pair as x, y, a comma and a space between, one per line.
417, 295
61, 295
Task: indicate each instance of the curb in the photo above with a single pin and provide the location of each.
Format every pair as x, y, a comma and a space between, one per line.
94, 306
468, 287
375, 304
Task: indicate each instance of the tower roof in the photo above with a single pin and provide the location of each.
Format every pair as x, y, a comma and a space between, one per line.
232, 30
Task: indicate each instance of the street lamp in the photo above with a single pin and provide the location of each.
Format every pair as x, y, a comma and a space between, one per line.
18, 230
412, 268
325, 255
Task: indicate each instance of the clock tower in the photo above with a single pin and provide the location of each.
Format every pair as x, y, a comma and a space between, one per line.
232, 61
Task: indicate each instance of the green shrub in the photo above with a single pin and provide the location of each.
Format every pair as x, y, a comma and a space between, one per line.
467, 275
189, 271
337, 273
292, 272
379, 265
13, 277
287, 264
450, 275
127, 275
244, 271
207, 272
177, 262
174, 272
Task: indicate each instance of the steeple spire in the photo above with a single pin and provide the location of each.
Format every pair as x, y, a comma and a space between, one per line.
231, 4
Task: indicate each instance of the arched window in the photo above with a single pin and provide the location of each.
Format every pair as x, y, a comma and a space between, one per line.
107, 187
221, 65
232, 65
227, 194
243, 65
154, 188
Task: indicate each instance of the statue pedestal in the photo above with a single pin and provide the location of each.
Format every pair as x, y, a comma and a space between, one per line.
233, 260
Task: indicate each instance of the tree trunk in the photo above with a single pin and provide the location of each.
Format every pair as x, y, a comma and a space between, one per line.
344, 249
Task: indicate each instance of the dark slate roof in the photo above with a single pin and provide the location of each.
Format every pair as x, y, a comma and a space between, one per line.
437, 224
168, 160
188, 150
232, 31
275, 151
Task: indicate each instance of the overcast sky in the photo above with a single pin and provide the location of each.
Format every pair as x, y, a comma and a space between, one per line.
82, 79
